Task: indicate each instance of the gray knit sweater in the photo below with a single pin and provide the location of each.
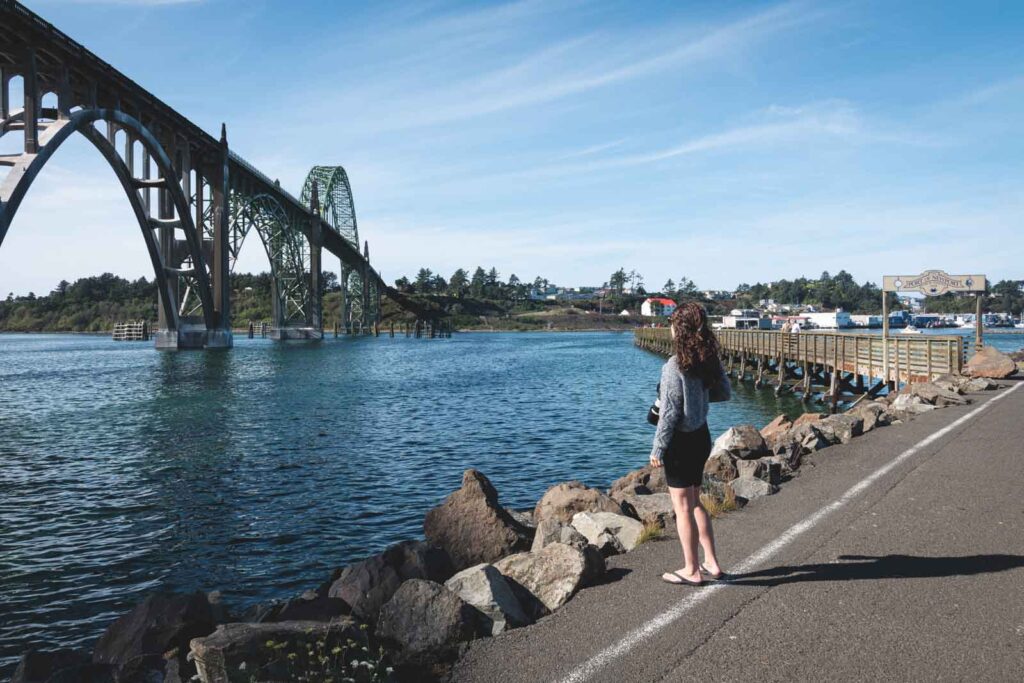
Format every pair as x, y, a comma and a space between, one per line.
683, 404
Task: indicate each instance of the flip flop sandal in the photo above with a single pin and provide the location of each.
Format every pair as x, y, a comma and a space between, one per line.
714, 577
681, 581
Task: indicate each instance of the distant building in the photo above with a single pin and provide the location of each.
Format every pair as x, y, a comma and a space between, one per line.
746, 322
830, 320
716, 294
655, 306
870, 321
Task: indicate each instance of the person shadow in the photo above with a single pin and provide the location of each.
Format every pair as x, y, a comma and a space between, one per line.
868, 567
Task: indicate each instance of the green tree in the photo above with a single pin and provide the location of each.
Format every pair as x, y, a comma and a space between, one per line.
669, 288
618, 279
478, 282
424, 280
459, 283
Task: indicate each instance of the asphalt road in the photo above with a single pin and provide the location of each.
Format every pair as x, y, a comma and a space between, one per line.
911, 573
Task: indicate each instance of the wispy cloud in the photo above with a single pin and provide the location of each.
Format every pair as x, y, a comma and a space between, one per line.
568, 67
991, 91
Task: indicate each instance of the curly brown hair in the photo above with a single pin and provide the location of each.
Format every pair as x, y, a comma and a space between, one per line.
696, 345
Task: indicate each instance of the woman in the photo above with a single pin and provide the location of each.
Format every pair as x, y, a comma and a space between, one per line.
682, 443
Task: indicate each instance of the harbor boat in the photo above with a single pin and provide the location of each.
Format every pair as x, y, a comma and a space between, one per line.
910, 329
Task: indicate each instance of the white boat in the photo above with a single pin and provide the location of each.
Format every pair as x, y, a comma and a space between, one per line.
910, 329
967, 325
1019, 326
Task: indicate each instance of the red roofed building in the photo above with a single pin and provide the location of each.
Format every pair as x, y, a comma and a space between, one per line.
656, 305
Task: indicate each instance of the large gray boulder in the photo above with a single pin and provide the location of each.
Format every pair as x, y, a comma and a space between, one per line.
472, 527
749, 488
219, 655
872, 413
936, 395
134, 645
721, 465
368, 584
309, 606
547, 579
807, 437
990, 363
562, 501
653, 509
905, 405
742, 441
484, 587
429, 623
841, 428
979, 384
643, 481
552, 531
37, 666
951, 382
777, 426
788, 456
598, 525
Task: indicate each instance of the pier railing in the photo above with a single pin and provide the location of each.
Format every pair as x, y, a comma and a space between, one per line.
910, 358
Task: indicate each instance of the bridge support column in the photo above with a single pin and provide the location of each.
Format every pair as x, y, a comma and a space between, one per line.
220, 337
343, 312
315, 317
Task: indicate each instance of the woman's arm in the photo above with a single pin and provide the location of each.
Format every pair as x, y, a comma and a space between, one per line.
726, 386
671, 411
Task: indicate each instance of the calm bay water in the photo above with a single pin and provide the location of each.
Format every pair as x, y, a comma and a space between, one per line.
258, 471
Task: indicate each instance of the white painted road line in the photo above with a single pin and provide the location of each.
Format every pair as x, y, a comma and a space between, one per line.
641, 633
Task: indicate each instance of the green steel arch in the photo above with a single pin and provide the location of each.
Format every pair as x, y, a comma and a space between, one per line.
335, 194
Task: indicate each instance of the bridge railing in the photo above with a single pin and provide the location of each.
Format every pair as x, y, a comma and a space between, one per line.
911, 358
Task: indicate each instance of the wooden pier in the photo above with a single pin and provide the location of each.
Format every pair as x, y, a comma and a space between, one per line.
136, 330
842, 364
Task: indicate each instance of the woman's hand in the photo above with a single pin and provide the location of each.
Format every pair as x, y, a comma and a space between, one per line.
655, 460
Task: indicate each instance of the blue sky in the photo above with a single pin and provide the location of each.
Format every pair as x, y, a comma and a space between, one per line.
722, 141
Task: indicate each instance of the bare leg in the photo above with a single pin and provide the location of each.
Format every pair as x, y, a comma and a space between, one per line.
683, 504
706, 535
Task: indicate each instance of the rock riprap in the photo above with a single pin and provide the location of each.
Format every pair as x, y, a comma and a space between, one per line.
219, 655
721, 465
840, 428
743, 442
872, 413
368, 584
37, 666
135, 644
545, 580
643, 481
484, 587
428, 622
651, 508
472, 527
749, 488
777, 426
990, 363
553, 531
597, 526
937, 395
562, 501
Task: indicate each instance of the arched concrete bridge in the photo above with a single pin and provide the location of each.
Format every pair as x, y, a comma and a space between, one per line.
195, 200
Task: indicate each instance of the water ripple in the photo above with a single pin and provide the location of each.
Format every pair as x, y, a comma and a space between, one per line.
255, 472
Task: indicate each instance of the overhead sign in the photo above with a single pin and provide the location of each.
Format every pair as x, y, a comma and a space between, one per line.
933, 283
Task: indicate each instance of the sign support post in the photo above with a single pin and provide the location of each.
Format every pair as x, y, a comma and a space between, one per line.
885, 336
978, 326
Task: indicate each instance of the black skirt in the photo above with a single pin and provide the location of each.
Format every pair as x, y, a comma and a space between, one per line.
687, 453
